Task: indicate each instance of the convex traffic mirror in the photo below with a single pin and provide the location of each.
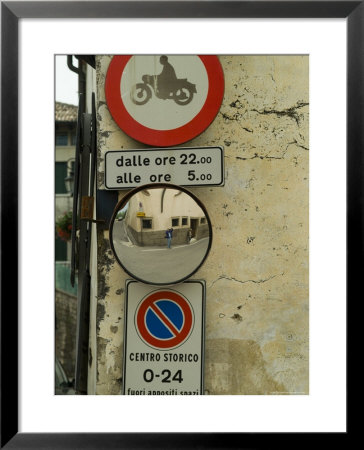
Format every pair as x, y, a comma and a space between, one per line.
160, 233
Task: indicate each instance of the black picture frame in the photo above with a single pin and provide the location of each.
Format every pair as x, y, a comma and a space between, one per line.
11, 13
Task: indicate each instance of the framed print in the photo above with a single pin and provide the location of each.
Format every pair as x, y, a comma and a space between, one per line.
266, 87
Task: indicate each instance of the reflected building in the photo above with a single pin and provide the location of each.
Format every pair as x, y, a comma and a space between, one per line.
151, 212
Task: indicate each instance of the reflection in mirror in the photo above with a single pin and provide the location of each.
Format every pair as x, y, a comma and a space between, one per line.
160, 234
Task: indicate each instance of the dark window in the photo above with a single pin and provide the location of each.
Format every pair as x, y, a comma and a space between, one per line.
61, 139
73, 139
203, 220
60, 175
184, 221
60, 250
147, 223
175, 222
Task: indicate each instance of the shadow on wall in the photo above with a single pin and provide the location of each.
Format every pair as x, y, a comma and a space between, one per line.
65, 331
237, 367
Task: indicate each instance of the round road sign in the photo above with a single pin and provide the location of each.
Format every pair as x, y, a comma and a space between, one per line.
164, 100
164, 319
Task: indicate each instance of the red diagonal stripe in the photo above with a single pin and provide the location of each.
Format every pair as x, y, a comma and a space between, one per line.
164, 319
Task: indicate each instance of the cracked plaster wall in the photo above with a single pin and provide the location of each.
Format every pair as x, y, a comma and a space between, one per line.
257, 270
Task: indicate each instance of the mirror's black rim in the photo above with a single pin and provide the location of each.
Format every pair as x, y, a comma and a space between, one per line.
123, 202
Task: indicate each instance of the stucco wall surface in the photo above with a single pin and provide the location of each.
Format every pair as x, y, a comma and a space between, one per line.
257, 270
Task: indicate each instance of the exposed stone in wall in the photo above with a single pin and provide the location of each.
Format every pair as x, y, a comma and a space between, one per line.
257, 271
65, 336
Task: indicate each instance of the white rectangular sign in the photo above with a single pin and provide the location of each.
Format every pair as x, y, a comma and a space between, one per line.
164, 339
198, 166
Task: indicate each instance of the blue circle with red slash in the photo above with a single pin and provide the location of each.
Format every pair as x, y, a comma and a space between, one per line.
164, 319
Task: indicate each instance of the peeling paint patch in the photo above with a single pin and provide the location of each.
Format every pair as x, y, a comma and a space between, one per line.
234, 117
236, 104
101, 354
104, 262
237, 318
100, 314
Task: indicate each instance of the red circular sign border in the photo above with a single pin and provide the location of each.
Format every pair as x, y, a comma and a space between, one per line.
164, 138
142, 329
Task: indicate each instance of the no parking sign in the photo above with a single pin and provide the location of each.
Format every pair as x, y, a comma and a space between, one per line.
164, 339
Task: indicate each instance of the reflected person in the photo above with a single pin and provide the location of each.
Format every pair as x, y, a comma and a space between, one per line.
169, 235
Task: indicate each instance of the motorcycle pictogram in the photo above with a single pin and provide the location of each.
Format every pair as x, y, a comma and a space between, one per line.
166, 85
